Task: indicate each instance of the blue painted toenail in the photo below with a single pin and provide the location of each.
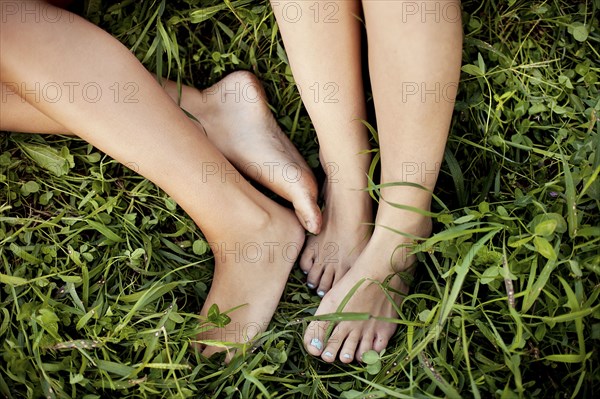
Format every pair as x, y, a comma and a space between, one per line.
347, 356
304, 271
316, 343
321, 293
311, 286
328, 354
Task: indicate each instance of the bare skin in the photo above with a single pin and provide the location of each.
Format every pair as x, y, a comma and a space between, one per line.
239, 123
390, 252
414, 65
252, 274
167, 147
329, 255
323, 52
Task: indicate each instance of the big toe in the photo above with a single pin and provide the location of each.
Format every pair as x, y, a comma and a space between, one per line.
308, 212
314, 337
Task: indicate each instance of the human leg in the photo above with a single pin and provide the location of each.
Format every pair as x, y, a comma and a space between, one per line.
414, 58
167, 148
322, 42
236, 119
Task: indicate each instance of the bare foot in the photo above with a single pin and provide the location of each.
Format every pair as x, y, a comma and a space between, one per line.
385, 255
347, 220
238, 121
251, 270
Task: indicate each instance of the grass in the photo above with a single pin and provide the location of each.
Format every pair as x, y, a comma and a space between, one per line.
101, 274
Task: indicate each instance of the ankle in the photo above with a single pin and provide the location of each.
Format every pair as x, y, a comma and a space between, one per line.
341, 202
415, 197
394, 249
402, 227
201, 106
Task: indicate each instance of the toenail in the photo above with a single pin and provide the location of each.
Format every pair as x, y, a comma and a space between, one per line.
347, 356
304, 271
321, 293
316, 343
311, 286
328, 354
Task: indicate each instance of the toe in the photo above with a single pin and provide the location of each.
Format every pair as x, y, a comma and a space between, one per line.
333, 344
308, 213
381, 342
326, 280
314, 275
366, 344
314, 337
349, 348
307, 260
337, 276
